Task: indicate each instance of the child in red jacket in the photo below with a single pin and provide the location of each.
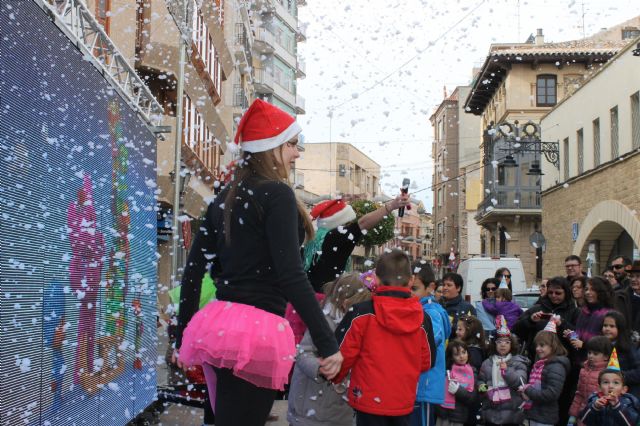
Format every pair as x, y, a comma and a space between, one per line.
598, 352
386, 343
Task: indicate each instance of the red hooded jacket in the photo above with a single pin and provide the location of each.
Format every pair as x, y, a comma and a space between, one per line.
386, 343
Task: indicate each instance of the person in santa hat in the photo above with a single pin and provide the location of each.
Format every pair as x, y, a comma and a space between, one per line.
327, 255
250, 238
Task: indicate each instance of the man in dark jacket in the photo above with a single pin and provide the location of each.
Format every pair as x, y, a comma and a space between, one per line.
452, 299
386, 343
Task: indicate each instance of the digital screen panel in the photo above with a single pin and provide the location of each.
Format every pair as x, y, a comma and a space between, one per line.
77, 235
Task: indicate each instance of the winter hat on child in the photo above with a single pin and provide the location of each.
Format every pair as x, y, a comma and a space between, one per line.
332, 213
264, 127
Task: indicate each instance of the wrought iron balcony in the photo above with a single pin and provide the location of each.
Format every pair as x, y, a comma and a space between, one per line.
506, 199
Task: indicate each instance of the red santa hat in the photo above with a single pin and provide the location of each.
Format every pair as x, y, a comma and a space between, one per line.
264, 127
332, 213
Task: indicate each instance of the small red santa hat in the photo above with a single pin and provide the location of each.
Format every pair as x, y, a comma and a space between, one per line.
264, 127
332, 213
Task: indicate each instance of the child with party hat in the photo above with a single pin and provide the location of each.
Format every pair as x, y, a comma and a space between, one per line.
546, 379
612, 405
500, 376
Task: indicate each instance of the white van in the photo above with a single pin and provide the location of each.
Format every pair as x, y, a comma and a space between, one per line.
475, 270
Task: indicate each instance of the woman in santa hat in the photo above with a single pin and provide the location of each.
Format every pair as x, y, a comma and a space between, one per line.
251, 238
338, 233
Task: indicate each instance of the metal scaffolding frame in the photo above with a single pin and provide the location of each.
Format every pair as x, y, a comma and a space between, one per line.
76, 21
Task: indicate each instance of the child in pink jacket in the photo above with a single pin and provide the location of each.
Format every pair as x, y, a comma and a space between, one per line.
598, 352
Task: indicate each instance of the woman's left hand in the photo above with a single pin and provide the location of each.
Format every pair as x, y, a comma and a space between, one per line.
576, 343
330, 366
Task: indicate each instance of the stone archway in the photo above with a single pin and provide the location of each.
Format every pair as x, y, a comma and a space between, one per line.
605, 222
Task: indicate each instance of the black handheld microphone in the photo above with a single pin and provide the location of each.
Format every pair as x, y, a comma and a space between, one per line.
404, 189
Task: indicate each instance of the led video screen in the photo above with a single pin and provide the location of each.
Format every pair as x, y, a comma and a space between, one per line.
77, 235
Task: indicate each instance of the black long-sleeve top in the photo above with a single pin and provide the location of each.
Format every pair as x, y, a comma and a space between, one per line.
261, 266
337, 246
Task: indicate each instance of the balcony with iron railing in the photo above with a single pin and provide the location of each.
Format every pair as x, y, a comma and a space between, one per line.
301, 34
242, 48
264, 41
263, 81
510, 200
301, 68
300, 105
239, 97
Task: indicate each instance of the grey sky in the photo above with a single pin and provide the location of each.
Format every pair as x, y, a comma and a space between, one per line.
382, 65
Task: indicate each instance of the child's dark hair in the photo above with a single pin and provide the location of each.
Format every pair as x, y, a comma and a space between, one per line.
549, 338
474, 332
394, 268
504, 293
610, 371
623, 342
424, 273
600, 344
515, 346
453, 348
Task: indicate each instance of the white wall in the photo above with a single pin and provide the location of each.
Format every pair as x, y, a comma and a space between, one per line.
612, 86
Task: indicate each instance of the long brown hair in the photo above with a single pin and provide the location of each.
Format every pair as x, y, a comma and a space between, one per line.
266, 165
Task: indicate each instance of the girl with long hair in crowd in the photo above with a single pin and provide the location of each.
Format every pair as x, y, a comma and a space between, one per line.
250, 239
546, 379
615, 327
598, 299
469, 330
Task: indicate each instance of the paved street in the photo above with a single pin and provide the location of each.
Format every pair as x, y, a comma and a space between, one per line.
175, 415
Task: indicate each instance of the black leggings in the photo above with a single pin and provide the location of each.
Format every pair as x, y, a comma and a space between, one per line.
239, 402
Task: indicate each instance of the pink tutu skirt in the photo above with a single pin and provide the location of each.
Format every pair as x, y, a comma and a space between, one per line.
257, 345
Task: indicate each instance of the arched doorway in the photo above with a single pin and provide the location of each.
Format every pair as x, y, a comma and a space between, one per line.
610, 228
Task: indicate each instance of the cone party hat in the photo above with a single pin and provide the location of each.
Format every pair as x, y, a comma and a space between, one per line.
614, 364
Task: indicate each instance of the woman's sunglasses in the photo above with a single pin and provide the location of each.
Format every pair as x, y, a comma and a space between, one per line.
506, 276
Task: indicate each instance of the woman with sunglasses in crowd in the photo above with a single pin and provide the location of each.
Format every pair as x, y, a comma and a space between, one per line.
557, 301
504, 274
488, 293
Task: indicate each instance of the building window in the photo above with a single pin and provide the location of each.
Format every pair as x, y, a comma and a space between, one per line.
565, 160
580, 138
440, 197
596, 142
615, 148
630, 32
546, 93
635, 120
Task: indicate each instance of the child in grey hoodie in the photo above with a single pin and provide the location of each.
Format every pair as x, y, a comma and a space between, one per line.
314, 401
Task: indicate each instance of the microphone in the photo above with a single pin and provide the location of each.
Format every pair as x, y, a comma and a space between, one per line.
404, 189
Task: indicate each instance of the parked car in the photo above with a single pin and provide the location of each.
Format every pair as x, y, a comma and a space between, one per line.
477, 269
526, 299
